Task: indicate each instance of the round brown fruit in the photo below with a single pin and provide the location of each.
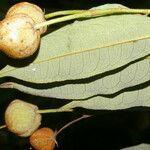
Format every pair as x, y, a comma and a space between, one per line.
34, 11
18, 37
43, 139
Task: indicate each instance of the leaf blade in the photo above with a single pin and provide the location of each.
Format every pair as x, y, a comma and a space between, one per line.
123, 101
135, 74
49, 65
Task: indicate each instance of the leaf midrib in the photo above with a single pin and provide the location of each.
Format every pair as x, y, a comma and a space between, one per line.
83, 51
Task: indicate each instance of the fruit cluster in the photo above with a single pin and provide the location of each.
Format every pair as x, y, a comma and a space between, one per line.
23, 119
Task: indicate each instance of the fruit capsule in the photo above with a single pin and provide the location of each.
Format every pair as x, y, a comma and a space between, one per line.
43, 139
18, 37
22, 118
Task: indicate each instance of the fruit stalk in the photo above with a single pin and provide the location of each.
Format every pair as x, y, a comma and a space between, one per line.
54, 110
61, 13
93, 13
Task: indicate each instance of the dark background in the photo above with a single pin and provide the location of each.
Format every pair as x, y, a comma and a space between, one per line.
105, 130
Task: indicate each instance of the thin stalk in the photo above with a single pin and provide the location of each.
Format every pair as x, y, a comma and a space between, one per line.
61, 13
53, 138
54, 110
3, 126
93, 13
60, 19
72, 122
47, 111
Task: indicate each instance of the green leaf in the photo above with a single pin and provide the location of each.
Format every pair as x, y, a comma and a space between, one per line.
99, 56
124, 100
132, 75
87, 48
138, 147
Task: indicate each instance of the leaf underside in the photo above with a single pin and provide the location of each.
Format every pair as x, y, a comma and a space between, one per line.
90, 60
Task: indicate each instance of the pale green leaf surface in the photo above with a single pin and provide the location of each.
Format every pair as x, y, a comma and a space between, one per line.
124, 100
138, 147
132, 75
108, 6
87, 48
90, 48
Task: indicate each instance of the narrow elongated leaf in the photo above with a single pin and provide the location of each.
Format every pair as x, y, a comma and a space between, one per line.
132, 75
124, 100
138, 147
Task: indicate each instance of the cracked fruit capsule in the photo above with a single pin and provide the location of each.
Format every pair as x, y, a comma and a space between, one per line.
22, 118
